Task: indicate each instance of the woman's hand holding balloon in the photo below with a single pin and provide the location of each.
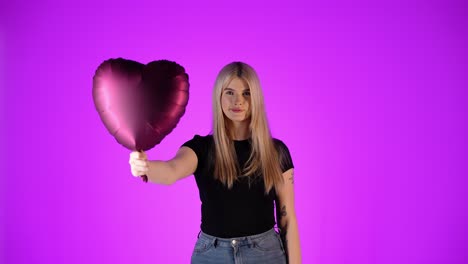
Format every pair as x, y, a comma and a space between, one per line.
139, 164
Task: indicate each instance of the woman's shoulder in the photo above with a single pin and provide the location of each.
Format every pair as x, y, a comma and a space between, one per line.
208, 137
200, 140
279, 143
286, 162
201, 145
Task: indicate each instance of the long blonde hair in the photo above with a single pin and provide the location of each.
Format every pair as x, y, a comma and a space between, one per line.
264, 158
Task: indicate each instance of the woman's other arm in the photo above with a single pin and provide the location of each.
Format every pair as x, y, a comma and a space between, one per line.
286, 218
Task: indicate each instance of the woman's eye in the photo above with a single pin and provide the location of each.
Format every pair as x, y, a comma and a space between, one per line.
229, 93
246, 93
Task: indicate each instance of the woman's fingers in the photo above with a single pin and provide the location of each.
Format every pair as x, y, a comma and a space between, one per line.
138, 173
138, 155
138, 163
139, 170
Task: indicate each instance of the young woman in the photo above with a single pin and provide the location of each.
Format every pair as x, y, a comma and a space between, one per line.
241, 173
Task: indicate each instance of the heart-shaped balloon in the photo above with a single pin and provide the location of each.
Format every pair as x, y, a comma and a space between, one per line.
140, 104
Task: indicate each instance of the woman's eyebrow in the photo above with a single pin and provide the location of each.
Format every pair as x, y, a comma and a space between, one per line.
231, 89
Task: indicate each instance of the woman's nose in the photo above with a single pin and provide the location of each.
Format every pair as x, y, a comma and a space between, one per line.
238, 99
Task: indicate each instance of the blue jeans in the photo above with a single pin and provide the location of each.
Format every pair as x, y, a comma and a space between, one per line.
262, 248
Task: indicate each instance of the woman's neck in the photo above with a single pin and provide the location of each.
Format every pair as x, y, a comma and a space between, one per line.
240, 131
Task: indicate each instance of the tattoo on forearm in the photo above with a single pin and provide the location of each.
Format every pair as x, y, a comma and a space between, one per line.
283, 227
292, 178
283, 211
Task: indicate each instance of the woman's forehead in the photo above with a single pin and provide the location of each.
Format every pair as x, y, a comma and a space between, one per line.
237, 84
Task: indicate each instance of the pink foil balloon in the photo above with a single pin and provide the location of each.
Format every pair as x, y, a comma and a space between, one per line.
140, 104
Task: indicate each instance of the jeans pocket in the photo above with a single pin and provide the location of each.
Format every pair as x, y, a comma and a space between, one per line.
268, 244
202, 245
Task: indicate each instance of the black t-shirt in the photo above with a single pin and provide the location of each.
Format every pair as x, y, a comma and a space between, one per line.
244, 209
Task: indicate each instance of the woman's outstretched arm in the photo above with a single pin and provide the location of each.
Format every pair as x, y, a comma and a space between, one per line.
164, 172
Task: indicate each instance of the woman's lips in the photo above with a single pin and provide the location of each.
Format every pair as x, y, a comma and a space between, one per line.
236, 110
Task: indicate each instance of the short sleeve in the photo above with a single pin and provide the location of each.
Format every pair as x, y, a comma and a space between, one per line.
286, 162
202, 147
196, 144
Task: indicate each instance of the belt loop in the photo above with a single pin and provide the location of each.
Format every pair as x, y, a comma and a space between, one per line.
215, 242
250, 242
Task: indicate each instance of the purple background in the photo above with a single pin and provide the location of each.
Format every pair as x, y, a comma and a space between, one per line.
370, 98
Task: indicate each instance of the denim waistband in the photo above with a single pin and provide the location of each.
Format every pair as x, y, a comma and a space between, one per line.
237, 241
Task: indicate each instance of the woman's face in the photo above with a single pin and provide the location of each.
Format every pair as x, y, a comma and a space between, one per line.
235, 101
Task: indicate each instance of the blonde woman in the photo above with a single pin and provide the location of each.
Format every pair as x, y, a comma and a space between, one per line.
241, 173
